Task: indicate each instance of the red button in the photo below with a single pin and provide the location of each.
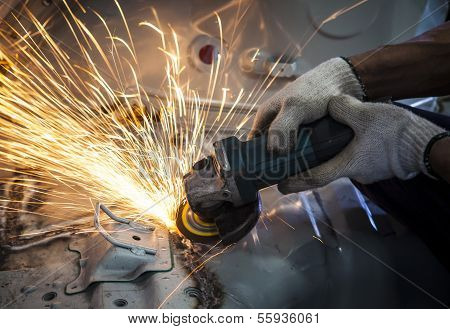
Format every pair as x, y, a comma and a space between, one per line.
206, 54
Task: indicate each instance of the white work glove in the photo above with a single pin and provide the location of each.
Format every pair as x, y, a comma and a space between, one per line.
389, 142
303, 101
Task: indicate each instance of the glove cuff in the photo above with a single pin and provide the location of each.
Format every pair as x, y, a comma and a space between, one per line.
412, 146
341, 74
358, 77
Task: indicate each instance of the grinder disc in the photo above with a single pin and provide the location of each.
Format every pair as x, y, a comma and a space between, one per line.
195, 228
229, 225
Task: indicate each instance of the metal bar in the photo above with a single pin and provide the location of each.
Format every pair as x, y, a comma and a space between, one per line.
108, 236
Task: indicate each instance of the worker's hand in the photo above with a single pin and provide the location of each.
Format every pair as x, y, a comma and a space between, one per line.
302, 101
389, 142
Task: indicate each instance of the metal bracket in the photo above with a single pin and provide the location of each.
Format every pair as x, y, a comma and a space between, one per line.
120, 250
134, 247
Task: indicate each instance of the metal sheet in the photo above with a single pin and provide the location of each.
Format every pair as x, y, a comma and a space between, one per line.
319, 249
329, 248
101, 261
37, 278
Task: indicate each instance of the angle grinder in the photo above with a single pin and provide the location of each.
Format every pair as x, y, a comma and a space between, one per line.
222, 189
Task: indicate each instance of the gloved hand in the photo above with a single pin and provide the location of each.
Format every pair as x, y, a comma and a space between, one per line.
389, 142
303, 101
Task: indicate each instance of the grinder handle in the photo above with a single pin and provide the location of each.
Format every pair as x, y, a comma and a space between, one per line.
254, 167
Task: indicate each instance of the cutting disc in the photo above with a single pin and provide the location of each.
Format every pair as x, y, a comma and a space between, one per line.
195, 228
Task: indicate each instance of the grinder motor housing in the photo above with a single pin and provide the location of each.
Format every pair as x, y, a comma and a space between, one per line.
238, 170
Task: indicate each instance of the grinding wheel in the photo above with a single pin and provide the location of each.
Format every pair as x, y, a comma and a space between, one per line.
195, 228
229, 225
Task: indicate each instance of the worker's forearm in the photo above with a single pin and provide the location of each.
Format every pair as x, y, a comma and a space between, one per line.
417, 68
440, 158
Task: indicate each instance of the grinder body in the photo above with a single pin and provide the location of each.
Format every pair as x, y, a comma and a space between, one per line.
230, 178
252, 167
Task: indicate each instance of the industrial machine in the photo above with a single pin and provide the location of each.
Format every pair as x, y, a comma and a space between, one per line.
222, 189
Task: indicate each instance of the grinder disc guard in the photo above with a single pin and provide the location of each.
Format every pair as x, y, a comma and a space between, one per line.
229, 225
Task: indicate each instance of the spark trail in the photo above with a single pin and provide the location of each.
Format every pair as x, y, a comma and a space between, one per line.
80, 124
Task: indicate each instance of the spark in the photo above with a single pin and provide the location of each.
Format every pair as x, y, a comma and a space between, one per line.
80, 117
273, 214
209, 250
80, 126
196, 269
317, 238
261, 219
332, 17
255, 55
